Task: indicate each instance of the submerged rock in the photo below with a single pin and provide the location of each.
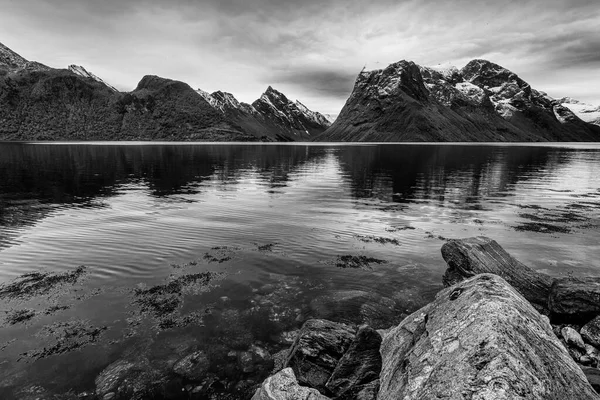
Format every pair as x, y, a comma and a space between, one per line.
482, 255
193, 366
591, 332
128, 380
284, 386
317, 350
355, 306
575, 299
480, 338
572, 337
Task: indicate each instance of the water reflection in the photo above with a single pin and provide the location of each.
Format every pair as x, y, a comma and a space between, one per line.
275, 220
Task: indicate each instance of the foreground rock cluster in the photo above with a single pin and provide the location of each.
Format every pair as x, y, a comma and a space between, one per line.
488, 335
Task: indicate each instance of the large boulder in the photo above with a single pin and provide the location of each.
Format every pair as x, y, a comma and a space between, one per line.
574, 300
482, 255
479, 339
284, 386
317, 349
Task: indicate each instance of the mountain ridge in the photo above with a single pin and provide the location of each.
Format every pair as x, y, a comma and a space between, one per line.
481, 102
42, 103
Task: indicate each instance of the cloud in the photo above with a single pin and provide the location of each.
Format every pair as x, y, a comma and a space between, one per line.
311, 50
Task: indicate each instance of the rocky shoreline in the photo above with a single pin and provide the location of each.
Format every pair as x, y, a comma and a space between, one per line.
500, 330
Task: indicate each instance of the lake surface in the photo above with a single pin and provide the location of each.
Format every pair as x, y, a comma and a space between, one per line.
223, 247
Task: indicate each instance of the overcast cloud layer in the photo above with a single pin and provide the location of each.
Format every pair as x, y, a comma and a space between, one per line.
311, 50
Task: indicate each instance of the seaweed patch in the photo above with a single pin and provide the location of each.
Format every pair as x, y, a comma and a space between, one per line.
66, 337
377, 239
163, 302
39, 283
19, 316
362, 262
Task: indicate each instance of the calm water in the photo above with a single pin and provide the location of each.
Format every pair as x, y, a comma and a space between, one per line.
274, 223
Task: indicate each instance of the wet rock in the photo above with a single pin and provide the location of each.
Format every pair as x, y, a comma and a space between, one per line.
363, 392
193, 366
109, 380
591, 332
284, 386
317, 350
128, 380
482, 255
360, 365
286, 338
593, 377
574, 300
482, 338
279, 360
572, 337
256, 358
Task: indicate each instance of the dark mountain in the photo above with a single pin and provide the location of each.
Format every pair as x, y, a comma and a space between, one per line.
481, 102
42, 103
272, 117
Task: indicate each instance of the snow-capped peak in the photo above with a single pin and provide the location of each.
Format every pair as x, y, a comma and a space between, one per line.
447, 70
81, 71
586, 112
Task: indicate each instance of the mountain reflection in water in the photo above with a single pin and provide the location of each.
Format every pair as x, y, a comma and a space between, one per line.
255, 239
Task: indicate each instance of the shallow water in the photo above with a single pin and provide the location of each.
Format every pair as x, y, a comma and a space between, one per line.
275, 222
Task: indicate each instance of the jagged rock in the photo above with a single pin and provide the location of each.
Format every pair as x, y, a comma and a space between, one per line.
574, 300
359, 366
591, 332
193, 366
481, 338
255, 358
572, 337
317, 350
478, 255
272, 116
284, 386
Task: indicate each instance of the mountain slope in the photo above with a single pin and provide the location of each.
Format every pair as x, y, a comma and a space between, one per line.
12, 62
585, 112
81, 71
480, 102
272, 117
42, 103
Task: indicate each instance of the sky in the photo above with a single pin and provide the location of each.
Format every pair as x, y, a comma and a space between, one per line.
311, 50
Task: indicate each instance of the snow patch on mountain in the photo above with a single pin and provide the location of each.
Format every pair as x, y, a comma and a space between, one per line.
587, 112
81, 71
